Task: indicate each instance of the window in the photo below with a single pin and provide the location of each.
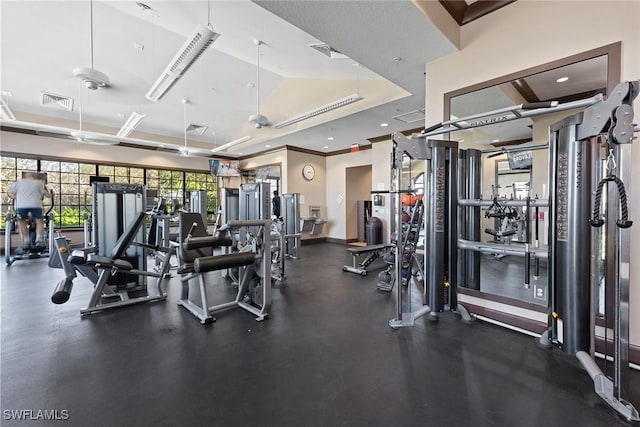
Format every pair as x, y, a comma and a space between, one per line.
73, 196
11, 169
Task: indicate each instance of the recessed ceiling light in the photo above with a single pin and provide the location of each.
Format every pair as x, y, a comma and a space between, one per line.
330, 138
496, 140
326, 146
267, 146
562, 79
384, 125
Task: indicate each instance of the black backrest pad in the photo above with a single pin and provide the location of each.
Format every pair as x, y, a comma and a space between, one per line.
187, 219
125, 240
219, 262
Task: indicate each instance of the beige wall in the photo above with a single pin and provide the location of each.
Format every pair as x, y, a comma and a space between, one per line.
336, 189
528, 33
312, 193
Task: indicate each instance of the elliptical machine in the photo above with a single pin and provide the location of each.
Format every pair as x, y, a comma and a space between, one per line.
33, 250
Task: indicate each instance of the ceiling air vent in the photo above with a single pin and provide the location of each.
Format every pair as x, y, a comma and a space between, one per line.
51, 100
327, 50
197, 129
411, 116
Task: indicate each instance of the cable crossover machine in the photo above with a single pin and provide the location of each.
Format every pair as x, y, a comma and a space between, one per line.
588, 249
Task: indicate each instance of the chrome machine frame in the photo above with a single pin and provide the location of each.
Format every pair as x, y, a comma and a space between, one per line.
575, 160
439, 293
578, 150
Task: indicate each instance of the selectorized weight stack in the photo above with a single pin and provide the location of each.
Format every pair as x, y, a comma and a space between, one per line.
291, 215
255, 201
114, 207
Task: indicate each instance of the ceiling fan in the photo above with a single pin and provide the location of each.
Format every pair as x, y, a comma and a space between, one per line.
257, 119
92, 78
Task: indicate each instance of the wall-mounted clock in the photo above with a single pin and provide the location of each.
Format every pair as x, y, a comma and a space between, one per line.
308, 172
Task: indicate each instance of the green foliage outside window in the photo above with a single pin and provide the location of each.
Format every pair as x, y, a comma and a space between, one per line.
73, 195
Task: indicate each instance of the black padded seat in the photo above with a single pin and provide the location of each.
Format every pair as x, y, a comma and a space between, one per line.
219, 262
365, 249
77, 257
107, 262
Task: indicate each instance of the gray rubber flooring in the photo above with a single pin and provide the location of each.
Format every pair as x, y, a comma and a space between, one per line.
325, 357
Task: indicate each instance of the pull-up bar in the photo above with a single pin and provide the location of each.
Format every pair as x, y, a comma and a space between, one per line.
505, 114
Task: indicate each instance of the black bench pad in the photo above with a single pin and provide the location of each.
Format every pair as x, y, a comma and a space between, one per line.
365, 249
219, 262
107, 262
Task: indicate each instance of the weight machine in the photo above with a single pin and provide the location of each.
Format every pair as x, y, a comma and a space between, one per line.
588, 150
440, 263
582, 148
131, 286
116, 262
252, 258
292, 233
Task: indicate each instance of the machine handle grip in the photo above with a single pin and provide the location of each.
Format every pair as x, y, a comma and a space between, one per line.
536, 105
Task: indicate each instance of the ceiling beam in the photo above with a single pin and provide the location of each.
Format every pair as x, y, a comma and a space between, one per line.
464, 13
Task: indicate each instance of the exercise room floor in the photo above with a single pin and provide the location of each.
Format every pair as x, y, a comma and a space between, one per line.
325, 357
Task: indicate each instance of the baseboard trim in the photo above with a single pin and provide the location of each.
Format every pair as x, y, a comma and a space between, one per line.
507, 319
634, 350
539, 328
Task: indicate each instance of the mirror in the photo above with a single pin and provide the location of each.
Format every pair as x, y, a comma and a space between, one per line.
266, 173
589, 74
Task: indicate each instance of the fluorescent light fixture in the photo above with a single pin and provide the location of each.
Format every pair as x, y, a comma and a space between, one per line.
330, 138
132, 122
321, 110
562, 79
5, 111
384, 125
231, 144
198, 41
